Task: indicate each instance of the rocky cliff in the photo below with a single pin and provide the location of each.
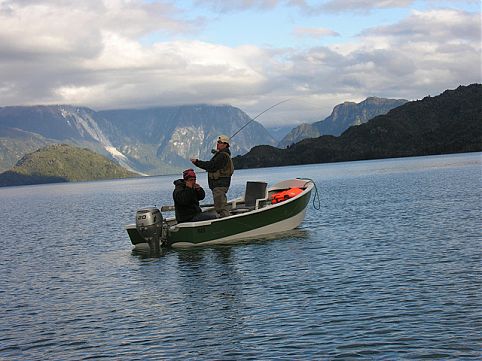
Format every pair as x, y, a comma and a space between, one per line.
342, 117
149, 141
448, 123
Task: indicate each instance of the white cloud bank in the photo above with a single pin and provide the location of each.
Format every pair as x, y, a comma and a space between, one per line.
93, 53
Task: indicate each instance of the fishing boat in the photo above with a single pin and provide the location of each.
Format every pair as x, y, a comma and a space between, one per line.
261, 211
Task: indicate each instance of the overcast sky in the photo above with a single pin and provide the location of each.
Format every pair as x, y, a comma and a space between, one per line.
247, 53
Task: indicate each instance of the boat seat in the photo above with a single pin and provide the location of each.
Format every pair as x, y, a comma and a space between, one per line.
255, 194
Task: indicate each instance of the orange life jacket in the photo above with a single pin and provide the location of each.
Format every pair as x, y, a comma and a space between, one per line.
284, 195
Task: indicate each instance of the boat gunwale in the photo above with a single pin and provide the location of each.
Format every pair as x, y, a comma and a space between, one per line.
251, 212
308, 187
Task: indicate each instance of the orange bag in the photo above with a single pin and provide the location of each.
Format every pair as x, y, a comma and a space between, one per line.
284, 195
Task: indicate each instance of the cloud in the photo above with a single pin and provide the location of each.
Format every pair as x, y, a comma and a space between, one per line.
68, 26
313, 32
423, 54
426, 51
434, 26
224, 6
319, 7
50, 45
93, 54
363, 5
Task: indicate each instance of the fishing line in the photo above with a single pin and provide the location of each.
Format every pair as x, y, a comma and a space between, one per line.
264, 111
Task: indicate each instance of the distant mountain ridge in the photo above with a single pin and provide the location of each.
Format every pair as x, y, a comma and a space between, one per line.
448, 123
149, 141
62, 163
342, 117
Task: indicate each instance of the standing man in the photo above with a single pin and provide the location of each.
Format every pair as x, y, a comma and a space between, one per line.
220, 169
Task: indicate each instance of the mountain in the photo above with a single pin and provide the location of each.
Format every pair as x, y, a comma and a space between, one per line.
169, 136
448, 123
279, 132
150, 141
342, 117
25, 129
15, 143
62, 163
301, 132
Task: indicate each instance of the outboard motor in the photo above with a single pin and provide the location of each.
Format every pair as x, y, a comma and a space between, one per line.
149, 226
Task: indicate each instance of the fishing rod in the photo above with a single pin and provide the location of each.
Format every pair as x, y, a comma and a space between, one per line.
264, 111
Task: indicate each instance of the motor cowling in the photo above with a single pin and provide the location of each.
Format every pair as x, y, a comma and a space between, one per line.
149, 222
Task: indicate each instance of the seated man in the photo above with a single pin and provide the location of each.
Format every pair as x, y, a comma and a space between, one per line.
187, 195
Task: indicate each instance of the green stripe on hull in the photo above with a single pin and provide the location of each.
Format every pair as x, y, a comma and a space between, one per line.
227, 227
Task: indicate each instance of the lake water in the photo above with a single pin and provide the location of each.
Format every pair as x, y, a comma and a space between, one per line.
389, 268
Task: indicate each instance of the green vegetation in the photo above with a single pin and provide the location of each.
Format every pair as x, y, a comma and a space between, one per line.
15, 143
62, 163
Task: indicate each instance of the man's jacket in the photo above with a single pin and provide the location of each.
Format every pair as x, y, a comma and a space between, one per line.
186, 200
220, 169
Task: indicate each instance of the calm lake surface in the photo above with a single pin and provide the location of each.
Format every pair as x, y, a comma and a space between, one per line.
389, 268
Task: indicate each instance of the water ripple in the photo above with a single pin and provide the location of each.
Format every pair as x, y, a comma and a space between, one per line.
389, 268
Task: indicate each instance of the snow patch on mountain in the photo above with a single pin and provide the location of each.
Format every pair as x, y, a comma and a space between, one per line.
115, 153
187, 141
121, 159
86, 125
